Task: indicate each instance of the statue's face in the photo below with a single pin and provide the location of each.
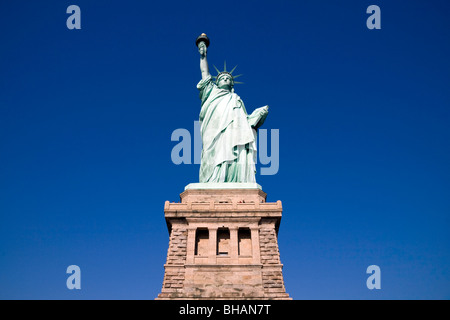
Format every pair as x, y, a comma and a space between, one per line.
225, 82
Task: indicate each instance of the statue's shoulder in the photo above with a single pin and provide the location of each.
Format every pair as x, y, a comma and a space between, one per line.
203, 83
237, 97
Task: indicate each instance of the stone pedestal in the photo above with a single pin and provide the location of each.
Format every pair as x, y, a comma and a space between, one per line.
223, 244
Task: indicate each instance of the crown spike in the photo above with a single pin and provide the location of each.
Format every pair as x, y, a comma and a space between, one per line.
229, 73
216, 69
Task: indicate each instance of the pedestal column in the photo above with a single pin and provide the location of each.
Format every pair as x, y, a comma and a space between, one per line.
234, 245
212, 252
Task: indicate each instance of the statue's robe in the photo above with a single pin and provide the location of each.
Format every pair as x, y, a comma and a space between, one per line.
228, 135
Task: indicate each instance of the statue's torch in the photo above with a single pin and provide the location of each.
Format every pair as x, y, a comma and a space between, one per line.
202, 38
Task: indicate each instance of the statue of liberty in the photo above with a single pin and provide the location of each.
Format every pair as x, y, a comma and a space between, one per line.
228, 132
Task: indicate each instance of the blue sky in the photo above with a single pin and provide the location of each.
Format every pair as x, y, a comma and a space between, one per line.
86, 118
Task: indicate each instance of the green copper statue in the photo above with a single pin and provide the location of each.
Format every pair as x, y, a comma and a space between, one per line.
228, 132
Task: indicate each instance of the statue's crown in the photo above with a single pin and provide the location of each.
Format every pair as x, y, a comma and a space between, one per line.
229, 73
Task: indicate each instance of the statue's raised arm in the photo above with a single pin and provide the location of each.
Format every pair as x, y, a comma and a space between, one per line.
202, 44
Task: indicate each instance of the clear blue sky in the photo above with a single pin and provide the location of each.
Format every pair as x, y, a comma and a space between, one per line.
86, 118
